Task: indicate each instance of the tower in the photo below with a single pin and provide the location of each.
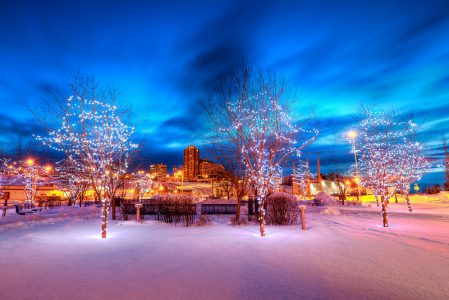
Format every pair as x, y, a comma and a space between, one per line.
191, 162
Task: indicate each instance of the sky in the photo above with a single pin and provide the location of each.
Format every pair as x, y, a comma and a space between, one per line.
166, 55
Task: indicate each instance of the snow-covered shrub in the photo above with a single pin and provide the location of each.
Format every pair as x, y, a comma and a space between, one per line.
282, 209
203, 221
324, 199
243, 221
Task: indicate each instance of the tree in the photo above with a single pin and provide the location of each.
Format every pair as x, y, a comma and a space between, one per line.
387, 154
343, 183
256, 119
446, 163
94, 138
143, 184
301, 176
33, 176
234, 178
71, 179
8, 176
412, 165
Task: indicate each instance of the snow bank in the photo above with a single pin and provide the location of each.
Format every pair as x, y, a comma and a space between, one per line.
331, 211
12, 220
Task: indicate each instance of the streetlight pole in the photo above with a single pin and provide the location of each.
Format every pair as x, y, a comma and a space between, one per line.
352, 136
180, 173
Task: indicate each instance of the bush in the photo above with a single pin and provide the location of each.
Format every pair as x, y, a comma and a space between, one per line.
434, 189
282, 209
176, 208
324, 199
204, 220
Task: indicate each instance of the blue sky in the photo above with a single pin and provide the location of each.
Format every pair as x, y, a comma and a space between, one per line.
164, 56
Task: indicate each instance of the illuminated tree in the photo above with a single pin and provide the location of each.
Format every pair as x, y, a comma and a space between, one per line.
71, 179
446, 163
33, 176
268, 135
301, 176
94, 138
412, 166
143, 184
389, 158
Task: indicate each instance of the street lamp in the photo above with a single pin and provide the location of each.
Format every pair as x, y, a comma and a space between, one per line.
352, 135
48, 169
30, 162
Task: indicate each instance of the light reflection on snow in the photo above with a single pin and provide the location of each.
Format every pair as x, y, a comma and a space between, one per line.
98, 237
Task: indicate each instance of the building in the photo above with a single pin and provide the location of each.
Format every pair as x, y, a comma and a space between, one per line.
158, 171
191, 163
208, 169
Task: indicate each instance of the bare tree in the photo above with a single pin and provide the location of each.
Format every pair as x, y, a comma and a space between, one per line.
387, 154
234, 178
92, 135
33, 176
446, 163
252, 113
72, 180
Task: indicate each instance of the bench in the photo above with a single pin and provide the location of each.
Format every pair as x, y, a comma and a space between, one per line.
23, 211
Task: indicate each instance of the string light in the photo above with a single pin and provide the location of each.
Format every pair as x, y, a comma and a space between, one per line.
390, 159
96, 142
268, 137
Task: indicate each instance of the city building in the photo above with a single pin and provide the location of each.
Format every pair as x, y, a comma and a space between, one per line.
158, 171
208, 169
191, 163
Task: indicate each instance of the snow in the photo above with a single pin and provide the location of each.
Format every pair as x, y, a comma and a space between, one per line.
344, 254
324, 199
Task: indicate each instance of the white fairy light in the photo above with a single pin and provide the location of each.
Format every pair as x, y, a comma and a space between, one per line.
269, 139
94, 139
389, 159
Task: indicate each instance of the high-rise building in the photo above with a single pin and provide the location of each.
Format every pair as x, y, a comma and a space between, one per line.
191, 162
158, 170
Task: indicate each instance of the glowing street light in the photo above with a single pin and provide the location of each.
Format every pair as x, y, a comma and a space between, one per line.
48, 168
30, 162
352, 135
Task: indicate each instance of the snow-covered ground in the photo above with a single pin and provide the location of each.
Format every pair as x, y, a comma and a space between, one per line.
344, 254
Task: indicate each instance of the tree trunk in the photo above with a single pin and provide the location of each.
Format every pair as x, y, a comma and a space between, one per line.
113, 209
377, 200
396, 196
261, 216
384, 212
409, 204
237, 213
104, 218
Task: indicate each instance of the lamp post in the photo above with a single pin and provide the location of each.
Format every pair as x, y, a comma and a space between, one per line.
180, 173
352, 135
